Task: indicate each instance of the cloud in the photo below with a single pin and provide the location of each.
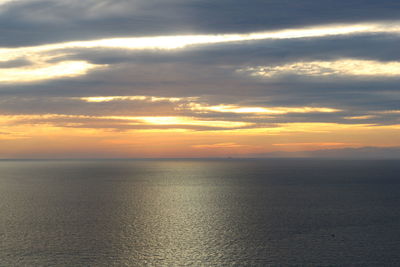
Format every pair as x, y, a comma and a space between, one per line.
120, 122
40, 72
319, 72
182, 41
342, 153
218, 146
363, 117
43, 21
314, 144
256, 110
41, 56
342, 67
98, 99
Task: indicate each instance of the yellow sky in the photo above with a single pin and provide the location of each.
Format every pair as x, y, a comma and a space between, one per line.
30, 140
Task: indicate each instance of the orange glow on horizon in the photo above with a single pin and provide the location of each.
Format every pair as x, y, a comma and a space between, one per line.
19, 138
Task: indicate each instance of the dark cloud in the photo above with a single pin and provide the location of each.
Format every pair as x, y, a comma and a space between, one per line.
71, 106
43, 21
245, 53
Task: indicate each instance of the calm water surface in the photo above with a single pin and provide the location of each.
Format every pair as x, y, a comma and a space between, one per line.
200, 213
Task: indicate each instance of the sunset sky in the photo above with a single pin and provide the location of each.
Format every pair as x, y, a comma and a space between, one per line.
197, 78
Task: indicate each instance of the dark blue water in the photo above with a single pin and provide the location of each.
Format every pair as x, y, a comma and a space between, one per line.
200, 213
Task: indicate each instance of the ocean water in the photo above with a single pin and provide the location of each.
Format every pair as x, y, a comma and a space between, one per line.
200, 213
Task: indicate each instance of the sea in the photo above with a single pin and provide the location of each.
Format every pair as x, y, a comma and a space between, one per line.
200, 212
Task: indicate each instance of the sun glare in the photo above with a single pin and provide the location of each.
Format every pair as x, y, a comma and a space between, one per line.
46, 71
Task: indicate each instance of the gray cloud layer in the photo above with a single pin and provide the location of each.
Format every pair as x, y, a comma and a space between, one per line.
207, 71
26, 22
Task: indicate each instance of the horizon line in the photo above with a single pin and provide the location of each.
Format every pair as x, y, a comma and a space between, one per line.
202, 158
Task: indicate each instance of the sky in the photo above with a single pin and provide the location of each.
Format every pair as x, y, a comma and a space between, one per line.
199, 78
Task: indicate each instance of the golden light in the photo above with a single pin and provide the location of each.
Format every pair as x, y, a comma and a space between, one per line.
136, 120
46, 71
98, 99
188, 121
26, 135
259, 110
218, 145
364, 117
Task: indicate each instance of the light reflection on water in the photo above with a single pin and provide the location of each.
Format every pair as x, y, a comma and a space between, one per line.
199, 212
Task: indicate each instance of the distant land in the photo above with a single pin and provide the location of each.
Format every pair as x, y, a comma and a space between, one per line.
341, 153
347, 153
